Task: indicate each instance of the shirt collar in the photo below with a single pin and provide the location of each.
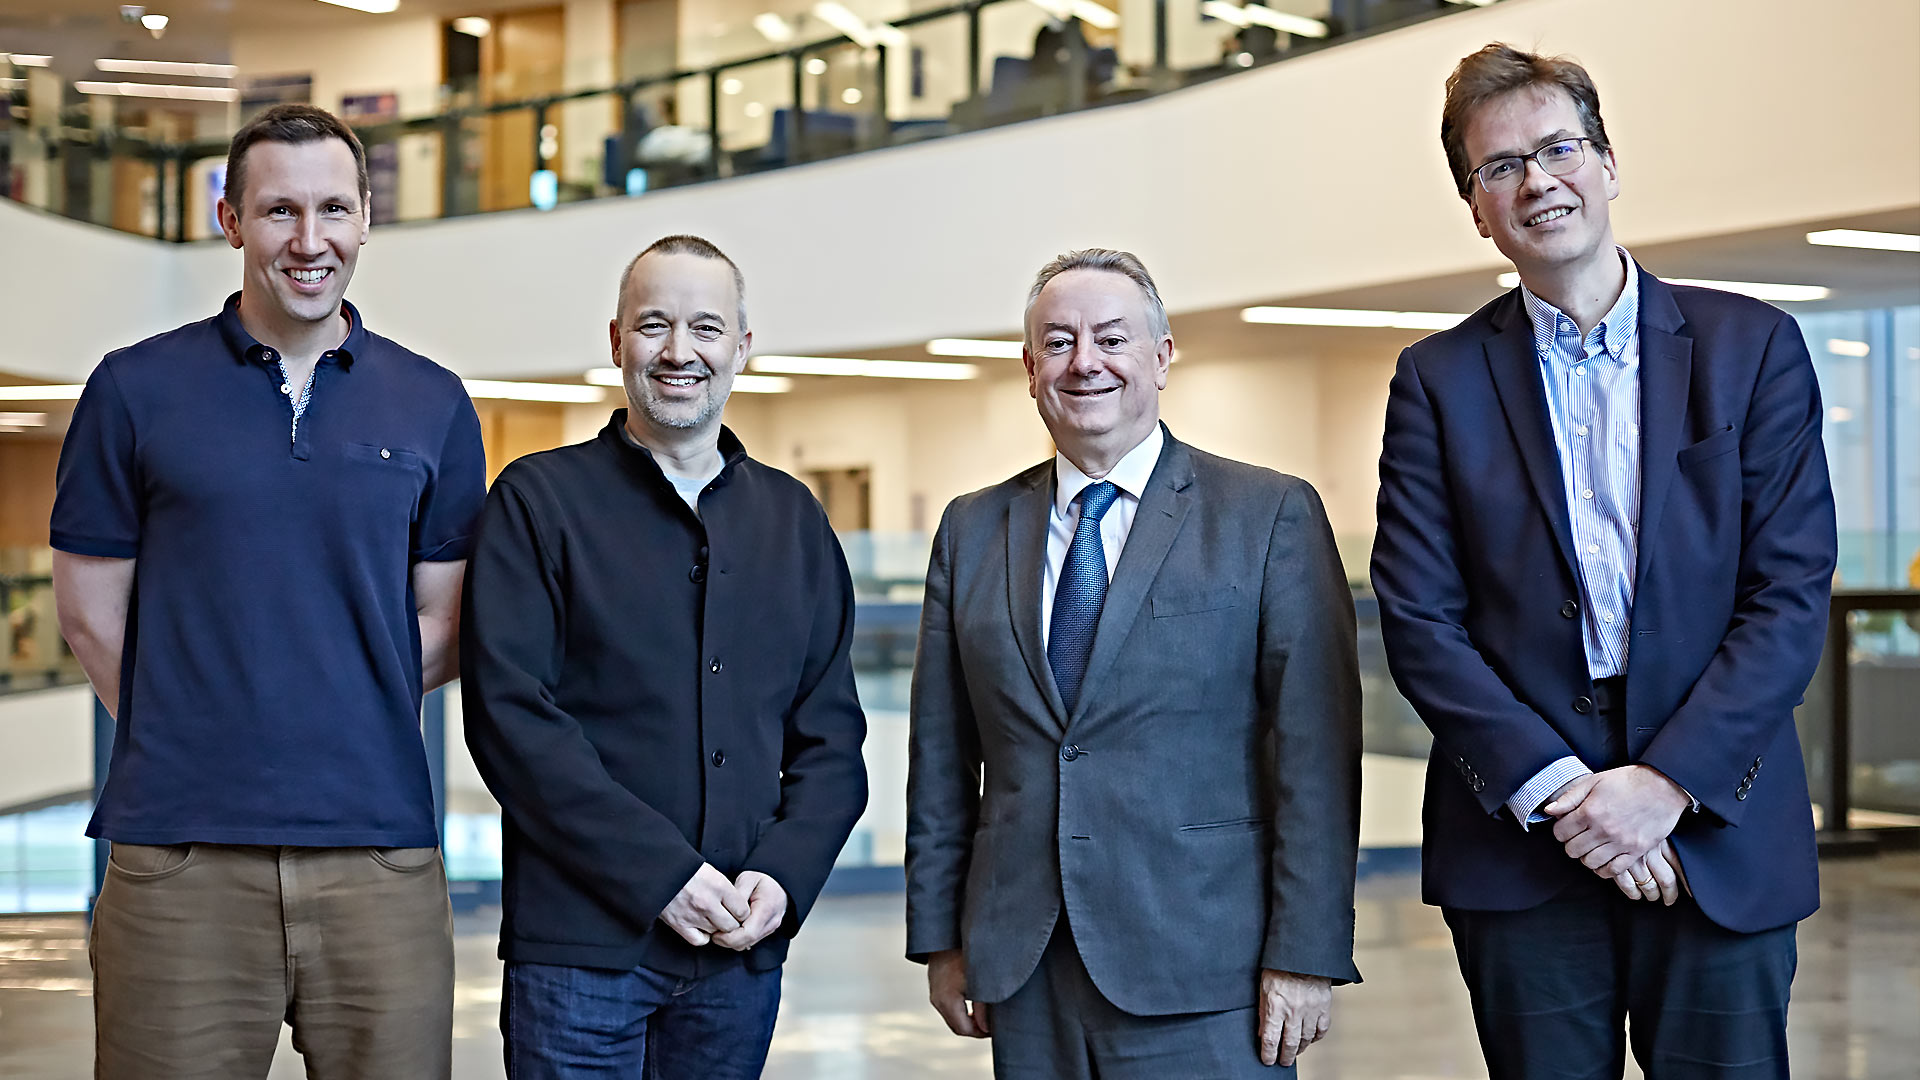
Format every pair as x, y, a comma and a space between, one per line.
247, 349
732, 450
1615, 331
1130, 475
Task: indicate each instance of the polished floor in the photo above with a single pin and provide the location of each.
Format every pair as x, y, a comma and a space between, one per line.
854, 1010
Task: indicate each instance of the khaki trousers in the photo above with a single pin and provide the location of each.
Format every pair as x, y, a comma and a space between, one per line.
201, 951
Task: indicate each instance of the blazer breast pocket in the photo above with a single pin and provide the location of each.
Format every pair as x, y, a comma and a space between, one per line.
1193, 603
1724, 441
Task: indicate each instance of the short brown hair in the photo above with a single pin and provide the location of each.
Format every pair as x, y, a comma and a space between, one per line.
290, 124
1498, 70
685, 244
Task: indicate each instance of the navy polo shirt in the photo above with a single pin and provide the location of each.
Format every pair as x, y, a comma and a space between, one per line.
270, 683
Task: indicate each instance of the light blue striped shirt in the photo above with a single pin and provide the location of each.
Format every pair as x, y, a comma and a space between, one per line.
1593, 398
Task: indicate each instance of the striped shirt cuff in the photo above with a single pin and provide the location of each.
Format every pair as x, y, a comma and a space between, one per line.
1525, 804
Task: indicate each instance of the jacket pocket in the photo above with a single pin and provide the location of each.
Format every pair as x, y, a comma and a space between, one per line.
1237, 825
1720, 442
1193, 603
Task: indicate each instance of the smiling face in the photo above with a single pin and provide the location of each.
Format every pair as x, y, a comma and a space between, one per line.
1094, 364
300, 225
1549, 225
677, 341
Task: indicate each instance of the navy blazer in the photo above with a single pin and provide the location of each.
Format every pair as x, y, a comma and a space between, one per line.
1480, 603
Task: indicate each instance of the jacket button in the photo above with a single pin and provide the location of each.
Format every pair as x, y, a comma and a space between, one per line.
698, 574
719, 758
714, 665
1741, 795
1070, 752
1583, 704
1569, 609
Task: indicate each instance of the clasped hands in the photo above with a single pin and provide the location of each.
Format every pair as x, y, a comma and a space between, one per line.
1619, 824
735, 914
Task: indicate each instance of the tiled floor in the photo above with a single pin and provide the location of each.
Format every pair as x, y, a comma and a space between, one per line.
854, 1010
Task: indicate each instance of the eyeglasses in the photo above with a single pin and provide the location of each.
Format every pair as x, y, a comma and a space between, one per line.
1555, 159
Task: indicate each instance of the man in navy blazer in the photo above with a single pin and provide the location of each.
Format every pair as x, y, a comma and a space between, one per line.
1606, 539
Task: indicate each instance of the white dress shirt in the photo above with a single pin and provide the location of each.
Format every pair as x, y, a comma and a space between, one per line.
1130, 476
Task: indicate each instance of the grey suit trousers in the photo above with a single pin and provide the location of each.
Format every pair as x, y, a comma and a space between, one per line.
1058, 1026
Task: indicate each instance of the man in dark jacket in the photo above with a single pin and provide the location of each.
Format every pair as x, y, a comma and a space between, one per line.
658, 691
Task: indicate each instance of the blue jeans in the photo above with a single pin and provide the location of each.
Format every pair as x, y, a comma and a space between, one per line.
564, 1022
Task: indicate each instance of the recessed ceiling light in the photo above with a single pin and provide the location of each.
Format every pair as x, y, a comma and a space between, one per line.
168, 67
730, 86
847, 365
762, 384
23, 419
773, 27
983, 347
816, 66
167, 91
44, 392
473, 26
1843, 347
1864, 238
1353, 317
371, 7
34, 60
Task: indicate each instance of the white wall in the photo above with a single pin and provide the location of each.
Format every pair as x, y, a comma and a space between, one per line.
48, 735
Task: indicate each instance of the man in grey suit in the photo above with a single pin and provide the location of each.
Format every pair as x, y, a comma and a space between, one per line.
1133, 787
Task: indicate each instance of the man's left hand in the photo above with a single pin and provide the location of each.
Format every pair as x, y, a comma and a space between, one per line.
1295, 1013
1611, 820
766, 908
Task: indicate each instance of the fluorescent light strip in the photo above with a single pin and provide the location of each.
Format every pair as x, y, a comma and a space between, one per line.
169, 91
168, 67
1231, 14
981, 347
1865, 238
773, 27
878, 369
1843, 347
858, 30
47, 392
533, 391
1085, 10
29, 60
473, 26
743, 383
371, 7
23, 419
1774, 292
1297, 25
1352, 317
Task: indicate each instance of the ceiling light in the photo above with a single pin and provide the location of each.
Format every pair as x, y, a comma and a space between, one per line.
851, 95
992, 350
1839, 414
1843, 347
46, 392
816, 66
730, 86
603, 376
755, 110
1471, 3
473, 26
23, 419
155, 24
773, 27
31, 60
1225, 12
879, 369
762, 384
372, 7
858, 30
1864, 238
1297, 25
168, 67
533, 391
1085, 10
170, 91
1357, 317
1759, 290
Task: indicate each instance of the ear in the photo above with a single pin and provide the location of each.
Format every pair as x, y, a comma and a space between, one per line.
366, 216
1033, 384
742, 351
229, 221
1162, 360
1610, 168
1478, 222
613, 339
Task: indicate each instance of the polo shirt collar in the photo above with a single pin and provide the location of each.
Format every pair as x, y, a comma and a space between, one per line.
1613, 332
732, 450
247, 349
1130, 475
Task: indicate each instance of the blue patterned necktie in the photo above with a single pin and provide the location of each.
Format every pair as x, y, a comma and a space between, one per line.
1079, 594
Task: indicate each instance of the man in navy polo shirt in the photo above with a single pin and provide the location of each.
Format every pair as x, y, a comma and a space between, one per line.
260, 532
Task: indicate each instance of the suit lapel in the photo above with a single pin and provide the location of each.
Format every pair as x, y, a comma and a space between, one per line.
1155, 525
1666, 372
1027, 517
1516, 376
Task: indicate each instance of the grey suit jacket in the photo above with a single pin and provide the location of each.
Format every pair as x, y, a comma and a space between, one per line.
1198, 812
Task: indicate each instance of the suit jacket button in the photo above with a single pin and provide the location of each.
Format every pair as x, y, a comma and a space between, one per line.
1069, 752
1583, 704
1569, 609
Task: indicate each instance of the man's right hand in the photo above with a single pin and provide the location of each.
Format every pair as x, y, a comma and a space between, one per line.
947, 989
706, 905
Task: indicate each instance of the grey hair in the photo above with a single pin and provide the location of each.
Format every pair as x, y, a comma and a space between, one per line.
1124, 263
684, 244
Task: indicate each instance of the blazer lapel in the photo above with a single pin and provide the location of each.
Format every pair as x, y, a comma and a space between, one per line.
1666, 373
1156, 522
1516, 376
1027, 517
